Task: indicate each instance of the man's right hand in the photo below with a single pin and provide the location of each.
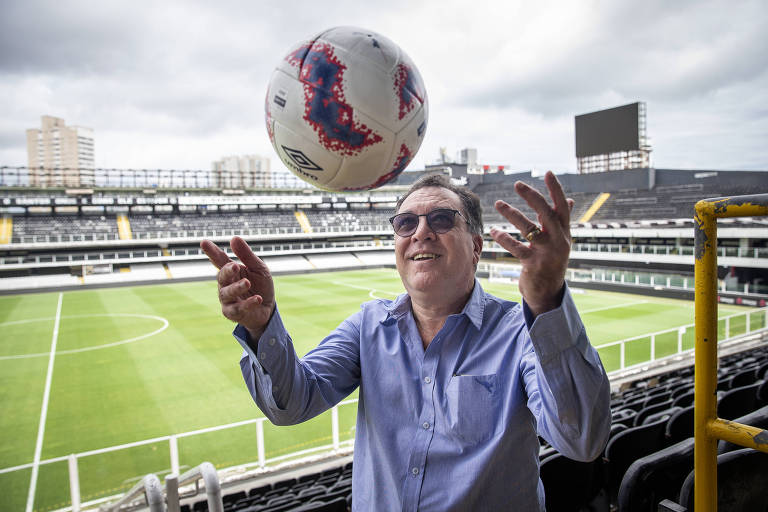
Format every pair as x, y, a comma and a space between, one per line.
246, 290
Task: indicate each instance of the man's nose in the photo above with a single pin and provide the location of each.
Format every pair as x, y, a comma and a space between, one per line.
423, 231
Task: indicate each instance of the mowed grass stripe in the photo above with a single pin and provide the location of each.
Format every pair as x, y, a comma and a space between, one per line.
187, 377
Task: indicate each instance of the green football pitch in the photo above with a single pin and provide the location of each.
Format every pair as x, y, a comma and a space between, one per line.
137, 363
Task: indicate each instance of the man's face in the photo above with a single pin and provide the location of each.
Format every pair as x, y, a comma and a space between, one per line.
439, 264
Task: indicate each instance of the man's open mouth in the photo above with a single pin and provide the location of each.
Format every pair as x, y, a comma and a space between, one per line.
425, 256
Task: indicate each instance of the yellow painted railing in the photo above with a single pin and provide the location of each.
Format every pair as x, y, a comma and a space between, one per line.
708, 428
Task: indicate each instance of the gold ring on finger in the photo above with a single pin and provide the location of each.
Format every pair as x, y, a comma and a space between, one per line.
533, 233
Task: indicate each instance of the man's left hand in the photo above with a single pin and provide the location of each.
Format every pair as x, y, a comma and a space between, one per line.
545, 256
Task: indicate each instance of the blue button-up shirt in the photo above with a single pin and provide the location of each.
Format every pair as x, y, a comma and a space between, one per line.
453, 427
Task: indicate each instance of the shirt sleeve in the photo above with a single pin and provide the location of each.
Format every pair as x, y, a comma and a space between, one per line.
568, 389
289, 390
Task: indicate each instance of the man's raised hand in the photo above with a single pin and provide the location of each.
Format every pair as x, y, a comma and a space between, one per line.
545, 258
246, 289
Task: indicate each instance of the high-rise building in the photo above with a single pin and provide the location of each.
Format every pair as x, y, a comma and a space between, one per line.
60, 155
468, 156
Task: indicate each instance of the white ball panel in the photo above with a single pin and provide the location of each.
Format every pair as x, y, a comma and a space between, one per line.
306, 159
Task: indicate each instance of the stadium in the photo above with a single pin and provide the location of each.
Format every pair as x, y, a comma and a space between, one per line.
120, 377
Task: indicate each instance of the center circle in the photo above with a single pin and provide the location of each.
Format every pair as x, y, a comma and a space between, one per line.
96, 347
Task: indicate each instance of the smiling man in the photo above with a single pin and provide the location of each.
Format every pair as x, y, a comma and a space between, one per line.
455, 384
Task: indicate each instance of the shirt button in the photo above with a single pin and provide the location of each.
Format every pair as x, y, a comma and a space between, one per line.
263, 356
415, 471
427, 380
425, 425
275, 388
271, 342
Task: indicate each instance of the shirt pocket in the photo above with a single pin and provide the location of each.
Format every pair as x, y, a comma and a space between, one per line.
473, 407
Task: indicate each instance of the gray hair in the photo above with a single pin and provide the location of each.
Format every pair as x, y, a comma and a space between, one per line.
470, 202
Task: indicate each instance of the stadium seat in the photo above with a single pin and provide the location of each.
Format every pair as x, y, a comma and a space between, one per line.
761, 370
655, 477
762, 392
738, 402
335, 505
628, 446
743, 377
680, 425
664, 414
742, 480
259, 491
758, 419
569, 484
650, 410
624, 416
311, 492
656, 397
683, 399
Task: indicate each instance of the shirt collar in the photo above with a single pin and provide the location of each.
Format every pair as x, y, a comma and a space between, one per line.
473, 309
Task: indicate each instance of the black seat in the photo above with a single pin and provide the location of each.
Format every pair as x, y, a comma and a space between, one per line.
738, 402
680, 425
661, 415
656, 398
743, 377
761, 370
627, 447
651, 410
624, 416
655, 477
569, 484
742, 477
684, 399
758, 419
335, 505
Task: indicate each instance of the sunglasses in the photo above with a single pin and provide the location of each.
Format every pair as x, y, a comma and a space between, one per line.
440, 220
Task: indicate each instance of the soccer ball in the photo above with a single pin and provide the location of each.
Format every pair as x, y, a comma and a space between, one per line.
346, 110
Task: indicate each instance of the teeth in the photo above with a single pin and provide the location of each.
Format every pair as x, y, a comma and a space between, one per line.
425, 256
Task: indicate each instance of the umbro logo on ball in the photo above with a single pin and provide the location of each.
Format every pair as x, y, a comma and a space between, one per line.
301, 160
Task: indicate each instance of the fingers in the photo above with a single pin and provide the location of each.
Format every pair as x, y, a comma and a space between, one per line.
234, 290
562, 206
515, 216
247, 257
510, 244
239, 310
218, 257
551, 217
538, 203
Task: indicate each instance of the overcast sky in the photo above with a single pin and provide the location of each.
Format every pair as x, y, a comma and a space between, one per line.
177, 84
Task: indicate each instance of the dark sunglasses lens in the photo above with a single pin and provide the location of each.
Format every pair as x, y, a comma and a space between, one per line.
441, 220
405, 223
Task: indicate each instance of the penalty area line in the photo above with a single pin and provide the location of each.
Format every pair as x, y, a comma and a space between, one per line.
44, 410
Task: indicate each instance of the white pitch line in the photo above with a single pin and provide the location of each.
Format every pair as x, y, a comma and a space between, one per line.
44, 410
613, 307
366, 288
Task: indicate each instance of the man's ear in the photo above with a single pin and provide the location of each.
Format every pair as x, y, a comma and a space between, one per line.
477, 248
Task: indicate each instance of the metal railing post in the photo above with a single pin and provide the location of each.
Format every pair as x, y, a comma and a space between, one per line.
335, 427
705, 385
174, 449
260, 443
172, 492
74, 483
708, 428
